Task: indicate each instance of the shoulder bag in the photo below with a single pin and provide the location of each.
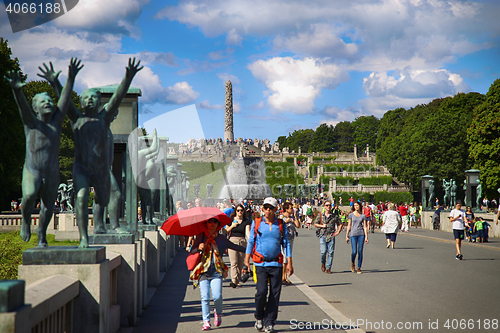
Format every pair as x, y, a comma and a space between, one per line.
319, 231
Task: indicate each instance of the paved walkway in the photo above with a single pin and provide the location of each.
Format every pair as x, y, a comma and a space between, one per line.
444, 236
175, 307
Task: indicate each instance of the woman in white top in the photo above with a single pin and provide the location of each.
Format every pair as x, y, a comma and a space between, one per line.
390, 224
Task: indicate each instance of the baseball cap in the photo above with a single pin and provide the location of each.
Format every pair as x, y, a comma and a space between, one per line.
270, 201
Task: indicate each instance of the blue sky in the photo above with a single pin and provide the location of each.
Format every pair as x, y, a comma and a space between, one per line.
293, 64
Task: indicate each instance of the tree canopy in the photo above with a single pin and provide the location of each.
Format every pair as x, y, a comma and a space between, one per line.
323, 139
429, 139
11, 131
365, 130
483, 137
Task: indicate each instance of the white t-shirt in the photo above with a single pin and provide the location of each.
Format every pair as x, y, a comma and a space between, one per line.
458, 224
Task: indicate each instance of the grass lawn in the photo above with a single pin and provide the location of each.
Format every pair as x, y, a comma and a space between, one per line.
11, 251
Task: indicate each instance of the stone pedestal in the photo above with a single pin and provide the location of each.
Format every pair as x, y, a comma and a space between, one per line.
128, 282
147, 227
153, 257
11, 295
128, 271
91, 307
66, 222
162, 244
105, 239
14, 314
64, 255
141, 275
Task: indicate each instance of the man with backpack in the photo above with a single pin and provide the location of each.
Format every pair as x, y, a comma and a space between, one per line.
267, 235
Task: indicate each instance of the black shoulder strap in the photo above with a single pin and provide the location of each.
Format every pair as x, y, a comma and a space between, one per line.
282, 230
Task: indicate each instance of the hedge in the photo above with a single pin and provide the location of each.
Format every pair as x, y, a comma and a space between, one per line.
375, 180
281, 173
340, 180
378, 196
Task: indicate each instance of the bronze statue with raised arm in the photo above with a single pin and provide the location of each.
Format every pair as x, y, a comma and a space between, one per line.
43, 136
92, 145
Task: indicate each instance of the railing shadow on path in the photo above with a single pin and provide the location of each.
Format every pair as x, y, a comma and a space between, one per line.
408, 248
330, 284
164, 310
369, 271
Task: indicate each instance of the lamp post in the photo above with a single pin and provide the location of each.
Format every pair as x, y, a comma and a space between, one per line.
471, 178
425, 191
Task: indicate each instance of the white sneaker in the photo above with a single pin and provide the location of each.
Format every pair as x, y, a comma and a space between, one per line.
270, 329
259, 326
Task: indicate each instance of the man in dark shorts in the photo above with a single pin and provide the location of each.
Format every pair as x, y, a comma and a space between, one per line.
457, 217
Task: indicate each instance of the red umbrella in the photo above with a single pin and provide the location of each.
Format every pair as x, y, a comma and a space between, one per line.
190, 222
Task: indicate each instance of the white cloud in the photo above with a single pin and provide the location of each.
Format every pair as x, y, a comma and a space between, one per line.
236, 107
408, 88
103, 65
233, 38
258, 106
195, 66
216, 55
181, 93
414, 84
99, 54
165, 58
334, 115
320, 40
226, 76
110, 16
293, 85
434, 31
205, 104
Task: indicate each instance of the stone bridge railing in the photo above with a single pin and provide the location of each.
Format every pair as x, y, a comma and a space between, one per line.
102, 296
367, 188
61, 222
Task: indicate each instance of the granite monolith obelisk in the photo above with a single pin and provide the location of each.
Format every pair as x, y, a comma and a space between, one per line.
228, 124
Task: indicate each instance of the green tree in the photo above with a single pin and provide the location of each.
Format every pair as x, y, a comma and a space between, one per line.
300, 138
483, 136
433, 140
365, 131
323, 139
343, 137
390, 127
11, 132
282, 141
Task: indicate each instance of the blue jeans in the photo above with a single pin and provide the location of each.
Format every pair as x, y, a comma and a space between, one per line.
327, 247
214, 283
357, 244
